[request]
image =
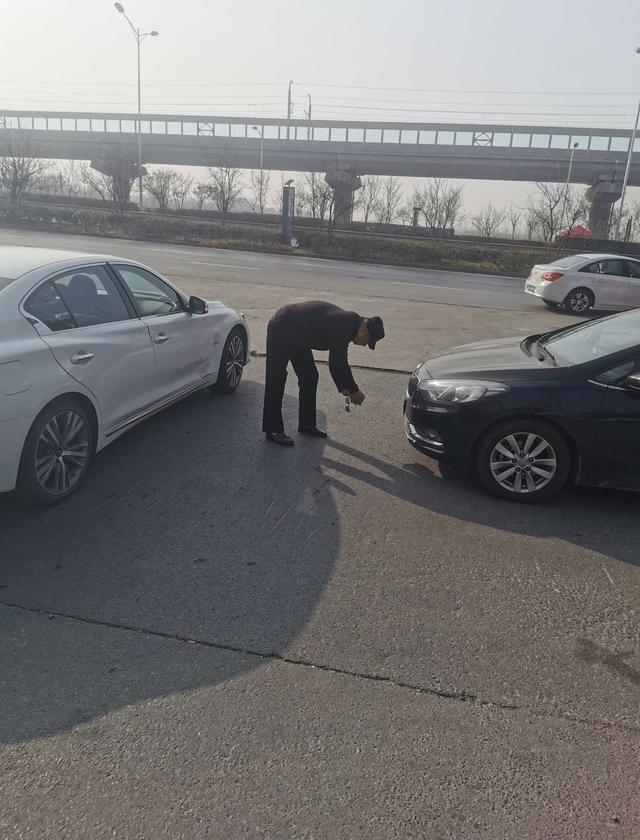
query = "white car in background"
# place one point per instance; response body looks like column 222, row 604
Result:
column 89, row 347
column 587, row 281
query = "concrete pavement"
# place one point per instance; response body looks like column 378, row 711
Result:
column 219, row 638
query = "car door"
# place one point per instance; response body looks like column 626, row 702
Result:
column 610, row 282
column 617, row 448
column 182, row 341
column 96, row 337
column 633, row 292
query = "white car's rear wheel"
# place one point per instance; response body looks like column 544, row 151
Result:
column 579, row 301
column 56, row 454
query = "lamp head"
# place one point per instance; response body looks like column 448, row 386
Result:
column 119, row 8
column 153, row 33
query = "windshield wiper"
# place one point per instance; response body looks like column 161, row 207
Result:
column 545, row 353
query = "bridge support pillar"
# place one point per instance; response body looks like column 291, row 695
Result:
column 344, row 183
column 602, row 195
column 122, row 172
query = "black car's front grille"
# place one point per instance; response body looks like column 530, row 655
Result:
column 413, row 384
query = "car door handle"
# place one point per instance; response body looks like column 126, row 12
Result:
column 161, row 338
column 80, row 357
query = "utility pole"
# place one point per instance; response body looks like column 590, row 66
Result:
column 289, row 108
column 308, row 114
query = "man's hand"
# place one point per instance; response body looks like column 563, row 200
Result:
column 357, row 398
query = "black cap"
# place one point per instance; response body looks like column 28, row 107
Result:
column 376, row 330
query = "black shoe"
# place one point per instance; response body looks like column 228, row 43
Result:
column 280, row 438
column 313, row 431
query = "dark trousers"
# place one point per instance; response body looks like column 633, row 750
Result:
column 278, row 357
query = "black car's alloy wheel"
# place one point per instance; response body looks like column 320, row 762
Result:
column 232, row 362
column 523, row 460
column 579, row 301
column 56, row 454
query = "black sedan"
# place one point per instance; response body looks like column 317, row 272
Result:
column 529, row 414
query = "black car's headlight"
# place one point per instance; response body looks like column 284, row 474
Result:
column 453, row 391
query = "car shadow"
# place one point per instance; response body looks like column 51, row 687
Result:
column 190, row 527
column 598, row 520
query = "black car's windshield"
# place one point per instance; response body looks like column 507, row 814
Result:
column 595, row 339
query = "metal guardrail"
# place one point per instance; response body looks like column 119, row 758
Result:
column 325, row 131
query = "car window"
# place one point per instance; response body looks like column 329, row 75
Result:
column 83, row 297
column 615, row 267
column 47, row 306
column 152, row 295
column 610, row 377
column 596, row 339
column 634, row 269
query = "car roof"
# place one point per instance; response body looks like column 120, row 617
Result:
column 607, row 256
column 16, row 260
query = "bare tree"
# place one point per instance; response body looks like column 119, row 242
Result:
column 180, row 189
column 441, row 204
column 544, row 208
column 20, row 170
column 314, row 197
column 488, row 220
column 405, row 214
column 531, row 223
column 226, row 187
column 160, row 184
column 389, row 201
column 201, row 192
column 260, row 184
column 635, row 219
column 112, row 181
column 514, row 214
column 368, row 197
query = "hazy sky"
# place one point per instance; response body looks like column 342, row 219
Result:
column 546, row 61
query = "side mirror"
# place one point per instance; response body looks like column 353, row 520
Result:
column 632, row 382
column 197, row 306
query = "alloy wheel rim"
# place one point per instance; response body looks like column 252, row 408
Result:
column 62, row 452
column 235, row 360
column 579, row 302
column 523, row 462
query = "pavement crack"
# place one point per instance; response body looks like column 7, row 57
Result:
column 462, row 696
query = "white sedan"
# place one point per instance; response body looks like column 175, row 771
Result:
column 587, row 281
column 89, row 347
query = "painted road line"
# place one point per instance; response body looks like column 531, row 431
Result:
column 226, row 265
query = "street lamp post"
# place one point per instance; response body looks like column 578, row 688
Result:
column 260, row 131
column 632, row 141
column 139, row 36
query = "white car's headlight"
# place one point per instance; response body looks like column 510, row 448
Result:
column 459, row 390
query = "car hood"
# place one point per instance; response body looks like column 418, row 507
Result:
column 501, row 356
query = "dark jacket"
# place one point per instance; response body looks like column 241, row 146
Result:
column 319, row 325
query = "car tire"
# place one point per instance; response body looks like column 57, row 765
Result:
column 579, row 301
column 56, row 454
column 232, row 362
column 534, row 471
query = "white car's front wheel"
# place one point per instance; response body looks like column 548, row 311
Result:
column 234, row 357
column 56, row 453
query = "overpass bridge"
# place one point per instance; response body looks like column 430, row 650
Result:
column 342, row 150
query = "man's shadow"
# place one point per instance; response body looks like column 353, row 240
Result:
column 190, row 527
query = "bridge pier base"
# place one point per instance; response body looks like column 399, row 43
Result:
column 344, row 184
column 122, row 172
column 602, row 195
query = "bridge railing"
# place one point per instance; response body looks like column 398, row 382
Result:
column 326, row 131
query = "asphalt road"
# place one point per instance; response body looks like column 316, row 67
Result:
column 219, row 638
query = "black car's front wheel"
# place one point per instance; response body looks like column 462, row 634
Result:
column 523, row 461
